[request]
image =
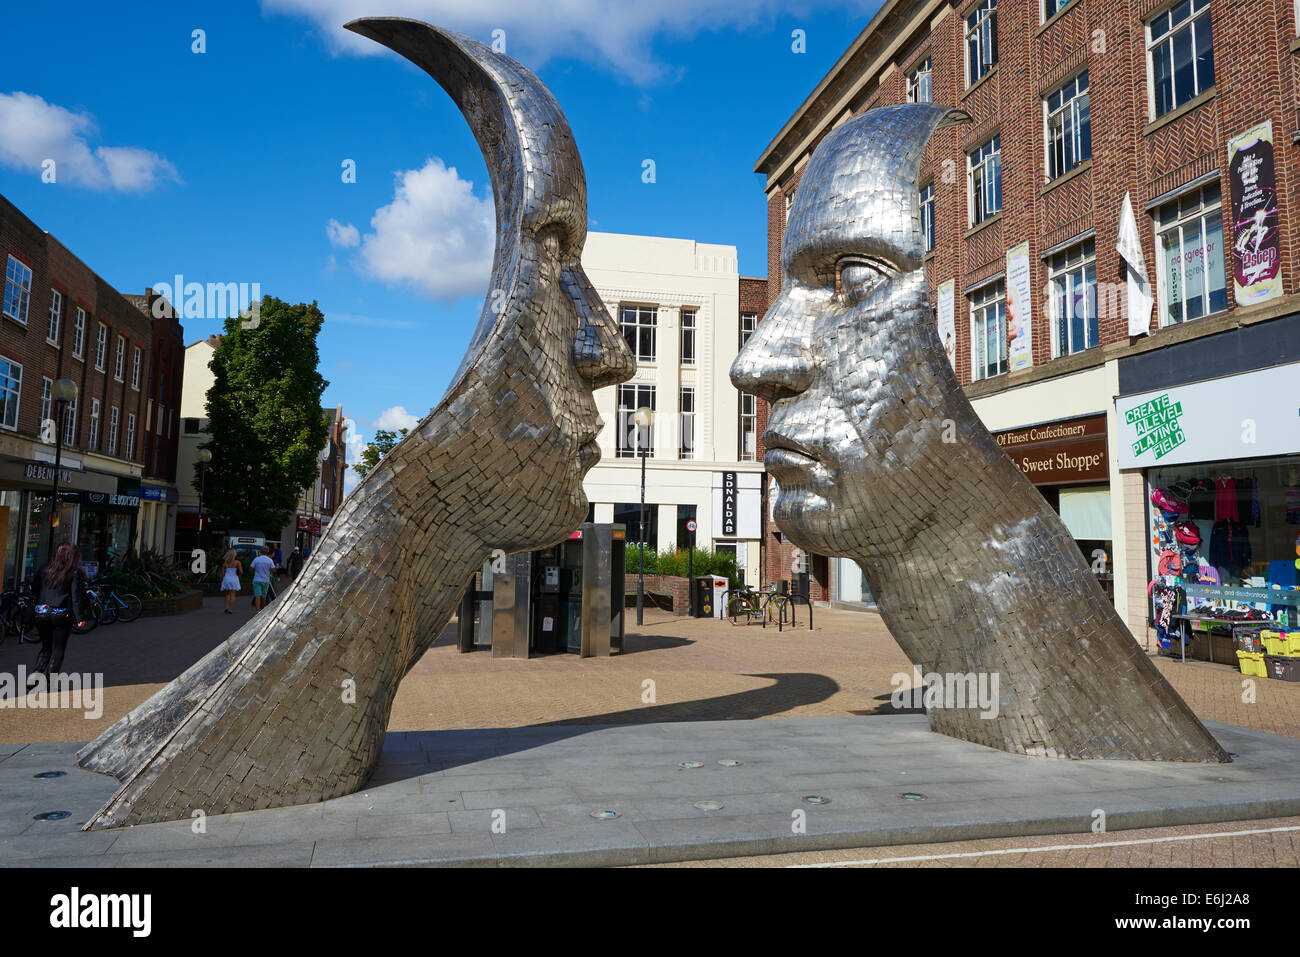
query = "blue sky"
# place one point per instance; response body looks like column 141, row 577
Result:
column 225, row 166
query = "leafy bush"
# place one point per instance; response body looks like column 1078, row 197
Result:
column 674, row 562
column 147, row 576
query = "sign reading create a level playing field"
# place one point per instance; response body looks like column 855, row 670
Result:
column 1234, row 417
column 1256, row 251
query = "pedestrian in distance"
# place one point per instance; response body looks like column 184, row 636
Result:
column 278, row 559
column 232, row 568
column 60, row 601
column 295, row 563
column 262, row 570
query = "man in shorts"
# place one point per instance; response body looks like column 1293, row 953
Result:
column 262, row 568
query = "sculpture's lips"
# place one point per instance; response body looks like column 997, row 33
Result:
column 782, row 460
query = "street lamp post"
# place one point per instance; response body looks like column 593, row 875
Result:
column 644, row 418
column 202, row 457
column 62, row 392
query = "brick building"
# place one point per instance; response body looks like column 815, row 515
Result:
column 61, row 320
column 1190, row 110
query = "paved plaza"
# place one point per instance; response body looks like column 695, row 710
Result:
column 675, row 671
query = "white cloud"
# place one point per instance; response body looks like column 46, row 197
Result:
column 396, row 418
column 615, row 34
column 33, row 131
column 351, row 320
column 435, row 235
column 346, row 237
column 356, row 442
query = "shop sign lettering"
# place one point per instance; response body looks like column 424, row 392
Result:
column 1157, row 426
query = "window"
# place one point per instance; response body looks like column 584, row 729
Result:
column 190, row 426
column 135, row 370
column 18, row 290
column 1190, row 266
column 789, row 200
column 748, row 427
column 1072, row 287
column 981, row 41
column 160, row 418
column 93, row 442
column 918, row 83
column 686, row 423
column 631, row 438
column 988, row 320
column 70, row 423
column 1069, row 128
column 113, row 420
column 638, row 323
column 1052, row 7
column 119, row 361
column 1180, row 56
column 130, row 435
column 79, row 334
column 56, row 317
column 47, row 402
column 688, row 337
column 11, row 386
column 984, row 180
column 748, row 323
column 927, row 215
column 101, row 347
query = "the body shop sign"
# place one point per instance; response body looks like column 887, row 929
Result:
column 1256, row 250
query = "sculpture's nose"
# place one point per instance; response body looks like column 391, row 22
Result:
column 599, row 350
column 777, row 361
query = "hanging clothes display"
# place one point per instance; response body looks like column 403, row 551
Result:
column 1225, row 500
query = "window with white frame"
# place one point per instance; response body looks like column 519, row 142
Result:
column 981, row 41
column 1180, row 56
column 113, row 420
column 1072, row 287
column 988, row 326
column 1052, row 7
column 70, row 423
column 927, row 215
column 119, row 361
column 984, row 180
column 686, row 423
column 1069, row 126
column 135, row 369
column 101, row 347
column 918, row 83
column 56, row 317
column 130, row 435
column 79, row 334
column 18, row 290
column 748, row 323
column 688, row 337
column 1190, row 267
column 748, row 427
column 639, row 324
column 47, row 403
column 93, row 438
column 11, row 387
column 631, row 438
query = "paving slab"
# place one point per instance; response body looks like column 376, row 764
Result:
column 526, row 797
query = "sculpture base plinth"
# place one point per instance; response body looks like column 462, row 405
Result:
column 436, row 796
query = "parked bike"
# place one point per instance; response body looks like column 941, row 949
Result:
column 18, row 613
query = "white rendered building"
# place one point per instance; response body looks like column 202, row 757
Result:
column 679, row 303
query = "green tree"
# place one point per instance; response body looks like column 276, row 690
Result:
column 376, row 449
column 264, row 416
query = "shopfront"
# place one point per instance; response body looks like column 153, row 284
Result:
column 107, row 528
column 1067, row 461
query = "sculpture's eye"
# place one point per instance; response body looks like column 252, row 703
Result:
column 858, row 275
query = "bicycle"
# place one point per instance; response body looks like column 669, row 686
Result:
column 17, row 607
column 94, row 617
column 114, row 607
column 784, row 607
column 742, row 601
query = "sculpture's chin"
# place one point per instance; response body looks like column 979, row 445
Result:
column 805, row 518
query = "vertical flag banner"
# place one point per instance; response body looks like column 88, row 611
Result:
column 947, row 320
column 1020, row 312
column 1256, row 252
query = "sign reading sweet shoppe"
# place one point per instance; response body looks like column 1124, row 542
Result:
column 1256, row 251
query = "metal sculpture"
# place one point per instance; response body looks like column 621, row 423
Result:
column 292, row 709
column 879, row 457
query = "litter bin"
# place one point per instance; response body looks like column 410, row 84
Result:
column 719, row 589
column 702, row 596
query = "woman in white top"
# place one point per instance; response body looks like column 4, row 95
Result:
column 232, row 569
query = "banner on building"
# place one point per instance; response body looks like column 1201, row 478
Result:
column 945, row 308
column 1256, row 253
column 1020, row 310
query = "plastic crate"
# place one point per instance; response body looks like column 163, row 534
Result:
column 1249, row 641
column 1252, row 663
column 1284, row 644
column 1285, row 669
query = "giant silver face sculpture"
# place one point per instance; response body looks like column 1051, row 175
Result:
column 292, row 709
column 880, row 458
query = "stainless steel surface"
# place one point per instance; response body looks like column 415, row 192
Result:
column 511, row 607
column 880, row 458
column 292, row 709
column 596, row 580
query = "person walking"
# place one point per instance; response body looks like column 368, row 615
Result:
column 262, row 569
column 295, row 563
column 277, row 559
column 60, row 600
column 232, row 568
